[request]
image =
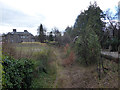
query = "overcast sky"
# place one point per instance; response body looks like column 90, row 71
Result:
column 28, row 14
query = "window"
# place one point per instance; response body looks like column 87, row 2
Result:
column 22, row 36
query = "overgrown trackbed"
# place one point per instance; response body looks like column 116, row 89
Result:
column 73, row 76
column 77, row 76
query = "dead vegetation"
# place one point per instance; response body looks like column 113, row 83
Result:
column 78, row 76
column 70, row 56
column 69, row 60
column 69, row 73
column 8, row 49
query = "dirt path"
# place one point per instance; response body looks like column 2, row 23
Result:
column 73, row 76
column 77, row 76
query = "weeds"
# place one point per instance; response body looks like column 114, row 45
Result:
column 8, row 49
column 109, row 74
column 70, row 56
column 42, row 56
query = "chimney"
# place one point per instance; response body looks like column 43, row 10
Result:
column 14, row 30
column 25, row 31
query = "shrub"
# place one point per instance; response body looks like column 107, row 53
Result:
column 44, row 66
column 87, row 47
column 69, row 60
column 43, row 60
column 67, row 50
column 45, row 69
column 69, row 55
column 106, row 44
column 17, row 73
column 115, row 43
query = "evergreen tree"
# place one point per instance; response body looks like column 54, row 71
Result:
column 88, row 47
column 89, row 29
column 41, row 33
column 57, row 34
column 68, row 31
column 51, row 36
column 94, row 15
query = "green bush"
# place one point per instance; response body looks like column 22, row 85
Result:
column 88, row 47
column 42, row 66
column 41, row 60
column 115, row 43
column 45, row 69
column 17, row 73
column 106, row 44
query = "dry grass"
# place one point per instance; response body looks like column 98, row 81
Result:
column 43, row 58
column 77, row 76
column 23, row 50
column 110, row 78
column 71, row 76
column 69, row 60
column 8, row 49
column 70, row 56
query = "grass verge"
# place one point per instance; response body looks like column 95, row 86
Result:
column 44, row 62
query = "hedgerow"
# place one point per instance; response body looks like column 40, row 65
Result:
column 17, row 73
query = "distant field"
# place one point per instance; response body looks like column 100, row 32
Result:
column 43, row 57
column 29, row 49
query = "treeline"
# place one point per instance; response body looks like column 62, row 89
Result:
column 53, row 37
column 88, row 32
column 92, row 20
column 102, row 23
column 92, row 31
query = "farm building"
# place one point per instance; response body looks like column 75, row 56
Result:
column 18, row 37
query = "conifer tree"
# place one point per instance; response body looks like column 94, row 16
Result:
column 41, row 33
column 89, row 29
column 51, row 36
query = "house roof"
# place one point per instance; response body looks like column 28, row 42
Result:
column 20, row 33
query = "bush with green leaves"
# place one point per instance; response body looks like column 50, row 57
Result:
column 17, row 73
column 115, row 43
column 88, row 47
column 88, row 27
column 45, row 69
